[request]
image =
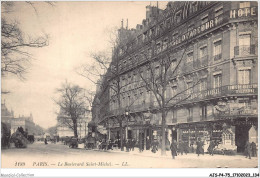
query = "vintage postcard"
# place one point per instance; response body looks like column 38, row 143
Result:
column 130, row 84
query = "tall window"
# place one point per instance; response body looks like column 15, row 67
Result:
column 189, row 114
column 217, row 81
column 174, row 116
column 217, row 51
column 178, row 16
column 190, row 57
column 174, row 90
column 203, row 85
column 204, row 112
column 173, row 64
column 203, row 52
column 244, row 40
column 189, row 88
column 165, row 43
column 157, row 71
column 244, row 76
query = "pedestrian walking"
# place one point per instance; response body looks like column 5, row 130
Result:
column 211, row 147
column 199, row 149
column 148, row 145
column 186, row 147
column 45, row 141
column 253, row 145
column 181, row 149
column 248, row 150
column 127, row 145
column 133, row 144
column 155, row 146
column 173, row 148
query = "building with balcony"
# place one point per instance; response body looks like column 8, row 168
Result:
column 211, row 42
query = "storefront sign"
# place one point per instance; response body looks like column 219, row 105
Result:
column 243, row 12
column 242, row 91
column 196, row 31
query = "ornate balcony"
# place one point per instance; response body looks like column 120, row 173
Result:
column 224, row 91
column 244, row 50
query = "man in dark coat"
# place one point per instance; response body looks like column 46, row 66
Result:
column 199, row 147
column 155, row 146
column 133, row 144
column 181, row 148
column 186, row 147
column 173, row 148
column 248, row 150
column 253, row 145
column 211, row 147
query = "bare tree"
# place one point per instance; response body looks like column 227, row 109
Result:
column 161, row 73
column 15, row 46
column 105, row 72
column 72, row 104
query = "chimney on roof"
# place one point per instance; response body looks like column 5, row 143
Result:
column 122, row 23
column 127, row 24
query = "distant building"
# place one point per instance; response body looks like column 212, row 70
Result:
column 64, row 128
column 6, row 115
column 25, row 122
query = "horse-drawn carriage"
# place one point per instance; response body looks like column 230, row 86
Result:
column 73, row 142
column 90, row 142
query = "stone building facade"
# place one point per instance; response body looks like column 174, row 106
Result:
column 214, row 43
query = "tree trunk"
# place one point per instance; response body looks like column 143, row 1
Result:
column 75, row 127
column 163, row 147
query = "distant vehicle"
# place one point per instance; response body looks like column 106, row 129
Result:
column 73, row 142
column 67, row 140
column 90, row 142
column 30, row 138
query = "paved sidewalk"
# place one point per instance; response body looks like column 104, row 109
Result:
column 189, row 156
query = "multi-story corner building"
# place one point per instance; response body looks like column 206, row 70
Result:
column 211, row 42
column 64, row 125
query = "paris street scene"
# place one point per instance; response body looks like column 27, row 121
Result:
column 130, row 84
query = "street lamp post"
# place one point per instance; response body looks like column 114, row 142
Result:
column 126, row 134
column 85, row 128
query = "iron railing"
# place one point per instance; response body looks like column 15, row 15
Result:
column 245, row 50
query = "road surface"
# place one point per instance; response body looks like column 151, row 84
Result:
column 39, row 155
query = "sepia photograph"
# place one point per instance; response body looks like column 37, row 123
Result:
column 129, row 84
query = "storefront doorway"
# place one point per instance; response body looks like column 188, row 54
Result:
column 174, row 135
column 241, row 137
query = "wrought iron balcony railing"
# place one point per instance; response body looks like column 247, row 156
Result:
column 245, row 50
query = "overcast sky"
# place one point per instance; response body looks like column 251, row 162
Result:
column 76, row 29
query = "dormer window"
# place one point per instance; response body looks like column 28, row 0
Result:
column 219, row 11
column 204, row 19
column 178, row 16
column 244, row 4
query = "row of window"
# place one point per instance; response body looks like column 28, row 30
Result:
column 137, row 97
column 243, row 41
